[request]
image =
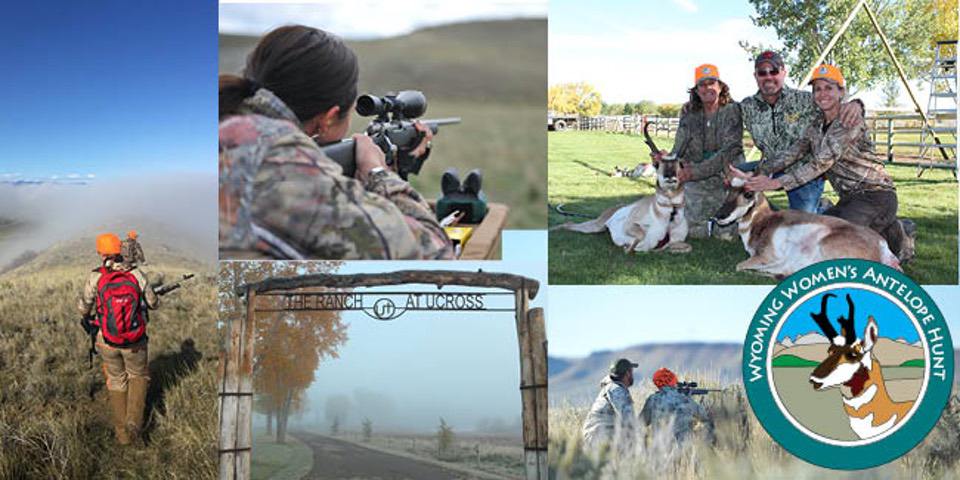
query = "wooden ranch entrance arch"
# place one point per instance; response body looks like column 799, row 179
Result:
column 292, row 294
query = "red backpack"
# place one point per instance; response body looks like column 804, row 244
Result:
column 120, row 314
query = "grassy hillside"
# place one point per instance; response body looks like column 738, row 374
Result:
column 492, row 75
column 53, row 411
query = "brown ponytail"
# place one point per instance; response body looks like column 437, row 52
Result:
column 310, row 70
column 233, row 90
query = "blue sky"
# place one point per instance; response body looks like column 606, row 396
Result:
column 892, row 322
column 108, row 88
column 634, row 50
column 584, row 319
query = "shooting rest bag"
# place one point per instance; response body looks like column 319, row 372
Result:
column 121, row 315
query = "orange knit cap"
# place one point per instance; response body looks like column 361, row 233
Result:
column 664, row 378
column 132, row 234
column 827, row 72
column 108, row 244
column 704, row 72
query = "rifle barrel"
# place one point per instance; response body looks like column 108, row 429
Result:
column 443, row 121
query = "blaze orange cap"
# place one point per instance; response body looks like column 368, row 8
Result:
column 132, row 234
column 664, row 378
column 108, row 244
column 704, row 72
column 827, row 72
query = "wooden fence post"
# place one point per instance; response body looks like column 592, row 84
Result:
column 236, row 396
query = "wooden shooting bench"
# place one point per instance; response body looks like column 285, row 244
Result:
column 485, row 242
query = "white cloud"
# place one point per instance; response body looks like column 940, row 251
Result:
column 656, row 63
column 369, row 19
column 687, row 5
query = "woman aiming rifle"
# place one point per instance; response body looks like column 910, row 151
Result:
column 280, row 196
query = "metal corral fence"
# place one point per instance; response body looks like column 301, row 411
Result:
column 901, row 139
column 630, row 124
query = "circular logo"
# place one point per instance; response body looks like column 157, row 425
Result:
column 848, row 364
column 384, row 309
column 823, row 70
column 706, row 70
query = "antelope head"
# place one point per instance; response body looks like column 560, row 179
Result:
column 667, row 172
column 848, row 361
column 737, row 204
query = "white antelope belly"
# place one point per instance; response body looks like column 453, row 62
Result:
column 617, row 225
column 798, row 246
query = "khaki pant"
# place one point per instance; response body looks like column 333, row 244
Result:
column 121, row 364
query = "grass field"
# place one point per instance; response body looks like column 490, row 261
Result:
column 53, row 413
column 743, row 449
column 496, row 454
column 580, row 164
column 271, row 460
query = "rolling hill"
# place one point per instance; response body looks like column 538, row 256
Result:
column 575, row 379
column 53, row 413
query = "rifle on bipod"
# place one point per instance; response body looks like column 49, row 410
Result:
column 392, row 130
column 691, row 388
column 169, row 287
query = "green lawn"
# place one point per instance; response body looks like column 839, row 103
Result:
column 271, row 460
column 580, row 162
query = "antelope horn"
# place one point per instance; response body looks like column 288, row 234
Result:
column 821, row 318
column 649, row 140
column 846, row 324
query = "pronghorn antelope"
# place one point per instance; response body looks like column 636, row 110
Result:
column 851, row 366
column 782, row 242
column 651, row 223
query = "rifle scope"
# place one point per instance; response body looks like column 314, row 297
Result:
column 405, row 104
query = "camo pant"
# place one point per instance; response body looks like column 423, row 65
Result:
column 876, row 210
column 702, row 199
column 120, row 364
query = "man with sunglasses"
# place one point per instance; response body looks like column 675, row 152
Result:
column 776, row 117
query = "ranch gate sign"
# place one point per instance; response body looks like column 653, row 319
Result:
column 323, row 292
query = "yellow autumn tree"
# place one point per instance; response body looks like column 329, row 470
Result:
column 578, row 97
column 289, row 347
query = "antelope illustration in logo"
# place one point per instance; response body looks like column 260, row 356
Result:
column 851, row 366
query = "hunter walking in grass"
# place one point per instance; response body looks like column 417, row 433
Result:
column 131, row 250
column 114, row 304
column 612, row 411
column 846, row 156
column 777, row 116
column 709, row 138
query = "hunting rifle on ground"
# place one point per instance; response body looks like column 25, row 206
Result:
column 91, row 328
column 692, row 388
column 392, row 130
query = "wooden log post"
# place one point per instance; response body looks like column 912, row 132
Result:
column 236, row 395
column 533, row 386
column 538, row 354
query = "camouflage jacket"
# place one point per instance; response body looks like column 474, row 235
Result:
column 612, row 410
column 88, row 296
column 131, row 252
column 845, row 155
column 280, row 196
column 696, row 136
column 669, row 407
column 775, row 128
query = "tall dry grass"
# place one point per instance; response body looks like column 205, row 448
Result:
column 53, row 413
column 743, row 450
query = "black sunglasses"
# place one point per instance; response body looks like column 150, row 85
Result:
column 768, row 73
